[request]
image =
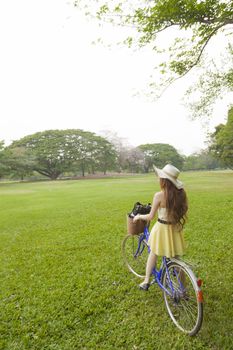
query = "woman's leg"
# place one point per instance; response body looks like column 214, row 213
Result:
column 181, row 273
column 150, row 265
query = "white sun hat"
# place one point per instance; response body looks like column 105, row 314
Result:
column 171, row 173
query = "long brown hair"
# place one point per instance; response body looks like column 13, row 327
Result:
column 176, row 202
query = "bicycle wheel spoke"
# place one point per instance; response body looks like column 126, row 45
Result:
column 189, row 309
column 186, row 317
column 189, row 312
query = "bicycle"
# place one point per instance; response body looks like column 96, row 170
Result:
column 181, row 289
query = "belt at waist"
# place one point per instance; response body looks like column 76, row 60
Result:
column 164, row 222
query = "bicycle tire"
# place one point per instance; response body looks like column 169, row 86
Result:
column 185, row 307
column 135, row 256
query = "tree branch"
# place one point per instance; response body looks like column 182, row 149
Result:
column 205, row 44
column 196, row 61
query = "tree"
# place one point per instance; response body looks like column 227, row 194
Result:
column 135, row 160
column 203, row 160
column 192, row 24
column 49, row 150
column 56, row 151
column 122, row 148
column 222, row 141
column 160, row 154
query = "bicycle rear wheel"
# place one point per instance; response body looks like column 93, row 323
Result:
column 183, row 298
column 135, row 254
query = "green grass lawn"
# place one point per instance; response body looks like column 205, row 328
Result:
column 63, row 282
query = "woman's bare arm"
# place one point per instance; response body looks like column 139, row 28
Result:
column 155, row 205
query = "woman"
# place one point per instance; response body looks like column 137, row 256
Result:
column 166, row 238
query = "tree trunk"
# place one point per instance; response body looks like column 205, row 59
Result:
column 83, row 170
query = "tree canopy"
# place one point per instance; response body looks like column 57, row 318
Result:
column 222, row 141
column 192, row 24
column 57, row 151
column 160, row 154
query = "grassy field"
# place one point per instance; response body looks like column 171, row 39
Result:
column 63, row 282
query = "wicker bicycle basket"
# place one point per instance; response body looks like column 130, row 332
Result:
column 134, row 228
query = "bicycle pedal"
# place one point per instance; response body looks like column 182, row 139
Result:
column 153, row 282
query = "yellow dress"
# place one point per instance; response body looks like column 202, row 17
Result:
column 166, row 240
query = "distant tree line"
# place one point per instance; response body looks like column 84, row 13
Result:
column 75, row 152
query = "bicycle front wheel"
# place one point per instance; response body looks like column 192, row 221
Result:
column 183, row 297
column 135, row 253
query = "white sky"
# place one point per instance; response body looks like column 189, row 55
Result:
column 52, row 77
